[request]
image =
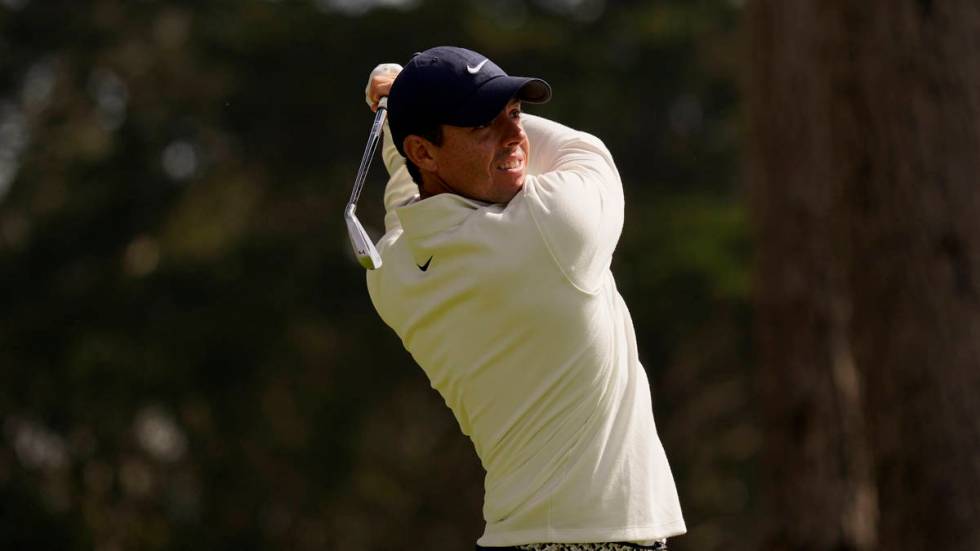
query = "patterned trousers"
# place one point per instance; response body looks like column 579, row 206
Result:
column 658, row 546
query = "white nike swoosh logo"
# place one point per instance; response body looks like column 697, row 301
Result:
column 475, row 70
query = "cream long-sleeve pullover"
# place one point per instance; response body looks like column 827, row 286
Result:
column 517, row 322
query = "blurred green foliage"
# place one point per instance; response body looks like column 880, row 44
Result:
column 189, row 357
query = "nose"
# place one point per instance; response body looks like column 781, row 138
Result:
column 513, row 131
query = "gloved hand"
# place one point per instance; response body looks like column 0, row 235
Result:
column 379, row 83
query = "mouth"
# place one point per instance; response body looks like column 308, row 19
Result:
column 511, row 165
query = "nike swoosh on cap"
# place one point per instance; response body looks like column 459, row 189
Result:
column 425, row 266
column 475, row 70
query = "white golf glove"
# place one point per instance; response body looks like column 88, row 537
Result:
column 385, row 68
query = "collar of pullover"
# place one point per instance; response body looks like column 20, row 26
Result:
column 437, row 214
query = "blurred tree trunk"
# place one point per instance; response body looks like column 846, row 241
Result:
column 820, row 492
column 912, row 173
column 866, row 148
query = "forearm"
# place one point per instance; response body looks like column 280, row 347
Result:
column 545, row 137
column 576, row 198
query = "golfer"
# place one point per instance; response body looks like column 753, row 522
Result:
column 500, row 229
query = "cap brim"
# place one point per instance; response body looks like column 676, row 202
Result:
column 491, row 98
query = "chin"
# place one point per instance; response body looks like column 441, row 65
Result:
column 511, row 180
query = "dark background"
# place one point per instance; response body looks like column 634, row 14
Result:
column 188, row 355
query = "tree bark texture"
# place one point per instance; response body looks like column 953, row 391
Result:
column 869, row 112
column 820, row 493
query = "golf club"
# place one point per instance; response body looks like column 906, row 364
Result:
column 364, row 249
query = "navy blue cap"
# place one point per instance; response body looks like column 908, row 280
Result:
column 454, row 86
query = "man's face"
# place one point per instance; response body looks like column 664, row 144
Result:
column 486, row 162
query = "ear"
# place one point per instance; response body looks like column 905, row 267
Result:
column 421, row 151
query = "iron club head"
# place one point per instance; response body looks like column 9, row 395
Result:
column 364, row 249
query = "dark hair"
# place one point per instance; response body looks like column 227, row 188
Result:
column 434, row 135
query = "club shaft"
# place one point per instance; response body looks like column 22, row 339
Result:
column 372, row 145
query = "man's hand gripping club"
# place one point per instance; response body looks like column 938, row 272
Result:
column 376, row 95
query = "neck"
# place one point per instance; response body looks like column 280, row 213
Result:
column 433, row 185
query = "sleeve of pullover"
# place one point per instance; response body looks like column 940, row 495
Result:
column 575, row 197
